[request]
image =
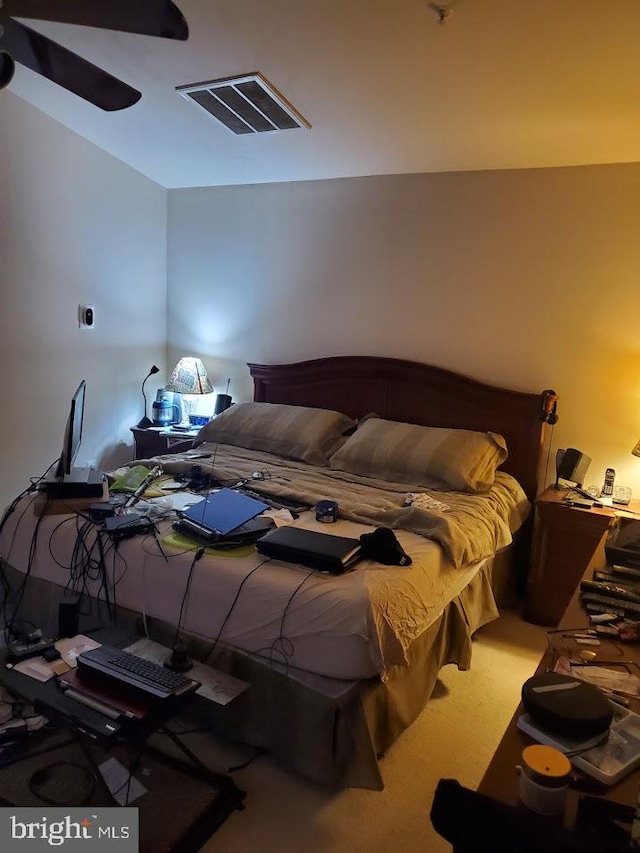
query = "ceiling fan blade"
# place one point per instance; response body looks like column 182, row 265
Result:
column 65, row 68
column 160, row 18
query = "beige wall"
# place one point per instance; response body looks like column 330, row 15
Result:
column 528, row 279
column 76, row 226
column 522, row 278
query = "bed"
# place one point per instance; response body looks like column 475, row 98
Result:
column 338, row 665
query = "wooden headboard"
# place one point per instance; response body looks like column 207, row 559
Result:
column 414, row 393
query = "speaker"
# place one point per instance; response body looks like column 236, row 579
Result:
column 223, row 401
column 571, row 465
column 68, row 618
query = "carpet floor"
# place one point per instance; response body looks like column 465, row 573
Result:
column 454, row 737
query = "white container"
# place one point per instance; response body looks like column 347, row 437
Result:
column 544, row 780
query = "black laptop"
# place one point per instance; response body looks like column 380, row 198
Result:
column 322, row 551
column 221, row 515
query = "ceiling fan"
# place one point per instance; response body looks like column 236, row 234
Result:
column 19, row 43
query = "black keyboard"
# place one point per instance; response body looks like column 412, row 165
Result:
column 149, row 671
column 151, row 678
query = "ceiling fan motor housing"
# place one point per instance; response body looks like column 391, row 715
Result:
column 7, row 68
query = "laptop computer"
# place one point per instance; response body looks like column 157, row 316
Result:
column 247, row 534
column 322, row 551
column 220, row 513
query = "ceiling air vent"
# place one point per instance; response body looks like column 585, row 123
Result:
column 246, row 104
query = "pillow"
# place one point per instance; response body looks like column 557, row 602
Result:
column 431, row 457
column 294, row 432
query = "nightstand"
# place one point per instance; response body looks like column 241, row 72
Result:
column 567, row 540
column 158, row 441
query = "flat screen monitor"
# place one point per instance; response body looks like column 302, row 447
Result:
column 72, row 433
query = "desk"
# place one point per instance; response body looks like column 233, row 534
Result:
column 206, row 799
column 567, row 541
column 158, row 441
column 501, row 781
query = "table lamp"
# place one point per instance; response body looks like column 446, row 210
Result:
column 189, row 376
column 145, row 422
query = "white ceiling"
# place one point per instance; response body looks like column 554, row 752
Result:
column 387, row 88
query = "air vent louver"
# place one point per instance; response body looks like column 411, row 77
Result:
column 247, row 104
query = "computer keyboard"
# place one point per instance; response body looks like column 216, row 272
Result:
column 149, row 671
column 147, row 676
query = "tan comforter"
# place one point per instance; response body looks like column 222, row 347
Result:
column 470, row 528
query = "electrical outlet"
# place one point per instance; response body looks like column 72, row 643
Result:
column 86, row 316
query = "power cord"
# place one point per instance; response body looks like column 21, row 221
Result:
column 41, row 777
column 230, row 611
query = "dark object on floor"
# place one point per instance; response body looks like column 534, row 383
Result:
column 475, row 823
column 603, row 818
column 383, row 547
column 76, row 780
column 55, row 767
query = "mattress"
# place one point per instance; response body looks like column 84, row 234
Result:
column 351, row 626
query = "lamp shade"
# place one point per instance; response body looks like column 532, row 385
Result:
column 636, row 449
column 189, row 377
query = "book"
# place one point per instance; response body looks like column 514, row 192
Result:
column 632, row 583
column 612, row 590
column 628, row 571
column 322, row 551
column 612, row 604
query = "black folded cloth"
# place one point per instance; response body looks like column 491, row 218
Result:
column 474, row 823
column 383, row 547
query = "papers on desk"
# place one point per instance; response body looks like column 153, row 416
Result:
column 69, row 648
column 279, row 516
column 175, row 500
column 39, row 668
column 609, row 680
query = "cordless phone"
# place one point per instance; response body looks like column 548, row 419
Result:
column 609, row 477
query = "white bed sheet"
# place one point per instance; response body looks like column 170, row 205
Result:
column 324, row 624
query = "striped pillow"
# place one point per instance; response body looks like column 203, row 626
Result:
column 293, row 432
column 431, row 457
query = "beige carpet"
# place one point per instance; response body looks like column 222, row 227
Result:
column 454, row 737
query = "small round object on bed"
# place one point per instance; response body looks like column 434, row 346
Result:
column 327, row 511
